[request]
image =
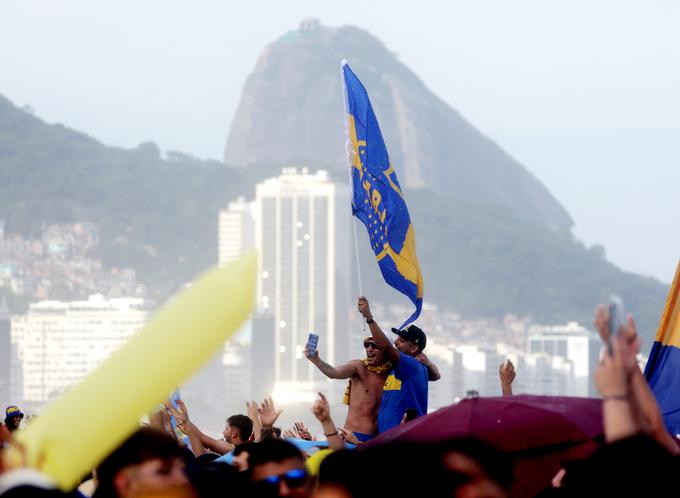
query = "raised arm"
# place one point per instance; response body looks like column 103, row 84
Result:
column 268, row 416
column 254, row 416
column 432, row 370
column 378, row 335
column 643, row 401
column 340, row 372
column 611, row 382
column 507, row 374
column 322, row 412
column 181, row 415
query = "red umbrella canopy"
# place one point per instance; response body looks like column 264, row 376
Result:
column 510, row 423
column 538, row 432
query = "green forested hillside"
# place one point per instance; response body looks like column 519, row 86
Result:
column 159, row 216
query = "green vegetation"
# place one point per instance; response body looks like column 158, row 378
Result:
column 160, row 217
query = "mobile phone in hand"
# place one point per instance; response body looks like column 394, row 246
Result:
column 312, row 343
column 616, row 319
column 617, row 315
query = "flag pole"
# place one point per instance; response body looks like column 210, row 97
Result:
column 349, row 157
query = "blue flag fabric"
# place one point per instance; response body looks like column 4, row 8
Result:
column 663, row 366
column 377, row 199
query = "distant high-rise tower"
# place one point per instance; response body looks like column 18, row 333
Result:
column 302, row 233
column 236, row 231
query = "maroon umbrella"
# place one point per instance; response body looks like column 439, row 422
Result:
column 538, row 432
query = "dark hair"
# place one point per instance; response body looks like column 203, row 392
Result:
column 277, row 431
column 216, row 480
column 206, row 458
column 423, row 461
column 145, row 444
column 345, row 468
column 247, row 447
column 272, row 450
column 243, row 424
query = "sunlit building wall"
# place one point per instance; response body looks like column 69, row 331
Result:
column 236, row 230
column 302, row 232
column 59, row 343
column 569, row 347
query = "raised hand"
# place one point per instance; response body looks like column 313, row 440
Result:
column 507, row 372
column 348, row 436
column 321, row 409
column 364, row 308
column 610, row 376
column 170, row 410
column 303, row 432
column 311, row 357
column 268, row 412
column 602, row 322
column 290, row 434
column 251, row 410
column 629, row 342
column 182, row 409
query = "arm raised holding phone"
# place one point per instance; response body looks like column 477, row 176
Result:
column 344, row 371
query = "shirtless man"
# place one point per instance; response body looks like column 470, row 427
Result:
column 367, row 378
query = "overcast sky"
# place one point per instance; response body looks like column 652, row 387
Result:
column 586, row 94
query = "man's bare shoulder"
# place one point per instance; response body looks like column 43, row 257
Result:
column 358, row 364
column 365, row 373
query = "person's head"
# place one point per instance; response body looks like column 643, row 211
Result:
column 277, row 468
column 411, row 340
column 149, row 461
column 241, row 455
column 238, row 429
column 212, row 480
column 450, row 468
column 374, row 354
column 13, row 417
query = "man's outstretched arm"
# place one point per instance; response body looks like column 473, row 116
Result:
column 199, row 441
column 378, row 335
column 340, row 372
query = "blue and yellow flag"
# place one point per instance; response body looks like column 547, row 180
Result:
column 377, row 198
column 663, row 366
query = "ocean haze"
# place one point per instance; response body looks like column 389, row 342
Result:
column 585, row 95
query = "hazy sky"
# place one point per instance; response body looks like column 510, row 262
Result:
column 586, row 94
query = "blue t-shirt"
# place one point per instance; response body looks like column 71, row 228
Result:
column 405, row 387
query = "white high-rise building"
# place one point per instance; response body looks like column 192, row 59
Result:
column 59, row 343
column 236, row 230
column 575, row 346
column 302, row 233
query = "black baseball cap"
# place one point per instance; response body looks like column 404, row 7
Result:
column 413, row 334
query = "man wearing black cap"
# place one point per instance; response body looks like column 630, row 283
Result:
column 406, row 385
column 13, row 417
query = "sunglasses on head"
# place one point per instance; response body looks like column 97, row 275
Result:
column 293, row 479
column 370, row 344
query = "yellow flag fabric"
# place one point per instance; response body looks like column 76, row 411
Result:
column 87, row 422
column 663, row 366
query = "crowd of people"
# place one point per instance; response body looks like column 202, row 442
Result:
column 170, row 456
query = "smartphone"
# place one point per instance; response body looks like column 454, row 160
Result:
column 617, row 315
column 312, row 343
